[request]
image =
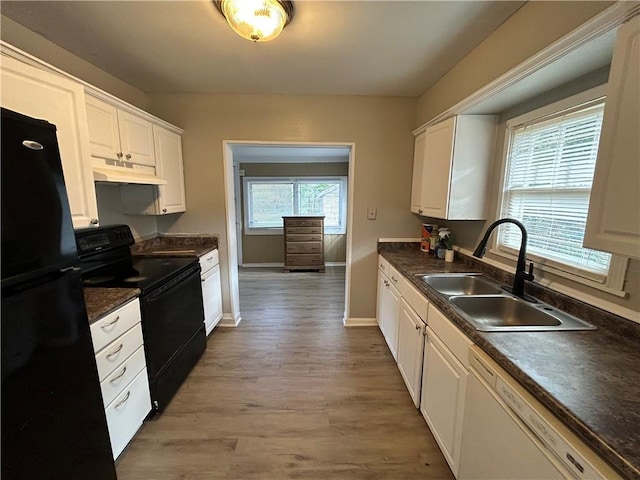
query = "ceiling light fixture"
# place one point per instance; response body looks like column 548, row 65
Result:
column 256, row 20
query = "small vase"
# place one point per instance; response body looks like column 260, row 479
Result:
column 448, row 255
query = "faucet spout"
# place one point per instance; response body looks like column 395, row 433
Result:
column 521, row 273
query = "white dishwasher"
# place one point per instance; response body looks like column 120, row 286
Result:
column 509, row 435
column 211, row 290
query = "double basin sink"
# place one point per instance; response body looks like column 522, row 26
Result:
column 489, row 308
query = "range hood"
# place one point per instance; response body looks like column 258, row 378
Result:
column 126, row 175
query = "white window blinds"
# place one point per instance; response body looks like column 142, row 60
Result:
column 547, row 186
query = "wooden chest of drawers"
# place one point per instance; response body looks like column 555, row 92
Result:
column 303, row 243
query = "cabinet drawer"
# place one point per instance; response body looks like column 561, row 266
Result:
column 303, row 260
column 114, row 324
column 303, row 222
column 127, row 411
column 416, row 300
column 383, row 265
column 315, row 237
column 208, row 261
column 122, row 376
column 304, row 247
column 112, row 356
column 309, row 230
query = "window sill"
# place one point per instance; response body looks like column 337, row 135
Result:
column 560, row 273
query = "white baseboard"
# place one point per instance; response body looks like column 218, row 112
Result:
column 360, row 322
column 262, row 265
column 229, row 321
column 335, row 264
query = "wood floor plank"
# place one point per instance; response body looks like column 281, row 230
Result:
column 289, row 394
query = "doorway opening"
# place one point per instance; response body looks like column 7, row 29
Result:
column 267, row 180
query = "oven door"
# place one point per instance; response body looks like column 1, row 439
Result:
column 171, row 316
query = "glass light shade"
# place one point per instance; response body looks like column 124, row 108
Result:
column 255, row 20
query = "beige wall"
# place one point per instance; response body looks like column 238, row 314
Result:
column 532, row 28
column 110, row 212
column 270, row 248
column 380, row 127
column 38, row 46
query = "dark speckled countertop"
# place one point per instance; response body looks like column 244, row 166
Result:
column 100, row 301
column 589, row 379
column 182, row 245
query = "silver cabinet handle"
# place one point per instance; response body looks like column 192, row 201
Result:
column 386, row 283
column 114, row 379
column 119, row 154
column 116, row 351
column 123, row 401
column 112, row 322
column 210, row 258
column 93, row 221
column 164, row 210
column 394, row 279
column 128, row 156
column 418, row 327
column 419, row 210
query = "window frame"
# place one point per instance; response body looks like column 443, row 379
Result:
column 611, row 282
column 328, row 230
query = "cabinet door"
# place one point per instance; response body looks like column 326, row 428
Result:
column 212, row 298
column 389, row 313
column 33, row 92
column 613, row 223
column 136, row 139
column 444, row 383
column 168, row 150
column 410, row 349
column 103, row 129
column 418, row 183
column 438, row 157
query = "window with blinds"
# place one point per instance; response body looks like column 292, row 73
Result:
column 548, row 180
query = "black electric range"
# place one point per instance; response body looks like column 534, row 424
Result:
column 170, row 303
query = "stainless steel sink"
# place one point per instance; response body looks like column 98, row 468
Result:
column 450, row 284
column 490, row 313
column 485, row 305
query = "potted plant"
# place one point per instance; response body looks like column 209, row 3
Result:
column 446, row 243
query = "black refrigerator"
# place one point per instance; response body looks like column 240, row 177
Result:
column 53, row 422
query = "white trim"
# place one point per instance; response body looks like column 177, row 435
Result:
column 294, row 180
column 398, row 240
column 236, row 186
column 607, row 20
column 230, row 223
column 556, row 109
column 610, row 307
column 229, row 321
column 359, row 322
column 230, row 204
column 335, row 264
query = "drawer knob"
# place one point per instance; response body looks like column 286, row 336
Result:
column 115, row 379
column 116, row 351
column 112, row 322
column 123, row 401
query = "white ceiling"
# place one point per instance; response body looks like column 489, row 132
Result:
column 397, row 48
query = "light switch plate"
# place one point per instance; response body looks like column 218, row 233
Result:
column 372, row 213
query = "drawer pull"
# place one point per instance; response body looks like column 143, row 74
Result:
column 123, row 401
column 210, row 258
column 114, row 379
column 394, row 279
column 116, row 351
column 112, row 322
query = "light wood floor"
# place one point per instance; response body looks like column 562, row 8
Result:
column 289, row 394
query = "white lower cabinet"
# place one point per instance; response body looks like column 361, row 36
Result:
column 444, row 383
column 211, row 290
column 412, row 325
column 118, row 343
column 388, row 310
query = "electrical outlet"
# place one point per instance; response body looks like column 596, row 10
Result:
column 372, row 213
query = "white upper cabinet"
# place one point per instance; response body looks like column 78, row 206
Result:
column 613, row 223
column 118, row 138
column 44, row 95
column 161, row 199
column 451, row 168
